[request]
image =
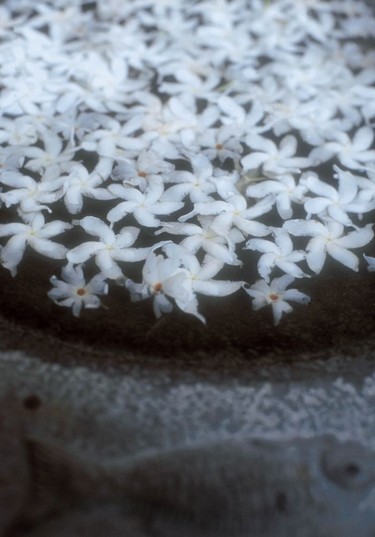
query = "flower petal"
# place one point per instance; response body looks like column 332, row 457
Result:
column 84, row 251
column 343, row 256
column 12, row 253
column 95, row 226
column 216, row 287
column 48, row 248
column 316, row 254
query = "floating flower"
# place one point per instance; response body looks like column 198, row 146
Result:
column 163, row 280
column 73, row 291
column 109, row 248
column 80, row 183
column 276, row 295
column 335, row 203
column 273, row 159
column 330, row 238
column 353, row 153
column 30, row 195
column 144, row 206
column 285, row 191
column 279, row 254
column 35, row 233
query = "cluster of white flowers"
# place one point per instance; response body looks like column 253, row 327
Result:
column 174, row 137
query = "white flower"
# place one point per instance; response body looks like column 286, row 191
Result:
column 145, row 169
column 188, row 82
column 274, row 160
column 221, row 143
column 330, row 239
column 35, row 233
column 276, row 295
column 81, row 183
column 234, row 213
column 110, row 248
column 19, row 131
column 352, row 153
column 235, row 117
column 198, row 184
column 142, row 205
column 52, row 154
column 335, row 203
column 11, row 158
column 115, row 140
column 204, row 237
column 277, row 254
column 285, row 191
column 176, row 126
column 201, row 277
column 31, row 195
column 163, row 279
column 74, row 292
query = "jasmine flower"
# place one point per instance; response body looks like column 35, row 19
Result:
column 222, row 143
column 73, row 292
column 353, row 153
column 109, row 248
column 142, row 205
column 30, row 195
column 285, row 191
column 53, row 153
column 80, row 183
column 198, row 184
column 163, row 280
column 277, row 254
column 276, row 295
column 19, row 132
column 330, row 238
column 203, row 237
column 143, row 170
column 201, row 276
column 332, row 202
column 274, row 160
column 235, row 116
column 114, row 139
column 188, row 82
column 234, row 212
column 36, row 233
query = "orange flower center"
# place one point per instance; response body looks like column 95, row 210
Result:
column 81, row 291
column 157, row 287
column 274, row 296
